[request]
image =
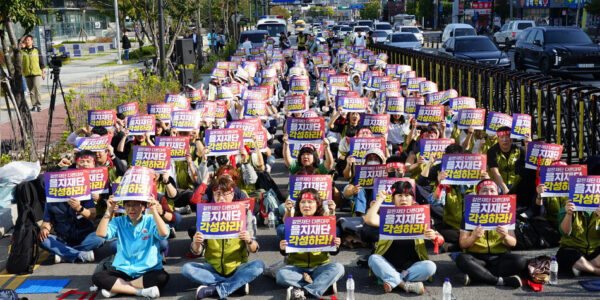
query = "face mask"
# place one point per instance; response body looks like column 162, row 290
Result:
column 395, row 175
column 372, row 162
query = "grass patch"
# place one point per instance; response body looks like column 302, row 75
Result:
column 114, row 63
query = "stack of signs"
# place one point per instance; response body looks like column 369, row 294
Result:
column 226, row 141
column 378, row 124
column 365, row 174
column 385, row 184
column 556, row 179
column 185, row 120
column 153, row 157
column 295, row 103
column 541, row 154
column 95, row 144
column 137, row 184
column 584, row 192
column 404, row 222
column 463, row 169
column 62, row 186
column 471, row 117
column 359, row 146
column 128, row 109
column 104, row 118
column 321, row 183
column 180, row 102
column 179, row 145
column 394, row 105
column 496, row 120
column 141, row 124
column 426, row 114
column 310, row 234
column 411, row 103
column 490, row 211
column 521, row 126
column 433, row 149
column 162, row 111
column 459, row 103
column 221, row 220
column 99, row 181
column 305, row 129
column 295, row 148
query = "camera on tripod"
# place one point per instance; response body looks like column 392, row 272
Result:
column 55, row 61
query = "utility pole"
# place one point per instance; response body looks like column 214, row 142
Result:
column 455, row 6
column 118, row 34
column 511, row 9
column 161, row 39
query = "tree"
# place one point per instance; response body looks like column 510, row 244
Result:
column 593, row 8
column 280, row 11
column 371, row 11
column 22, row 12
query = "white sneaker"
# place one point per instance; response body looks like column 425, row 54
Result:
column 93, row 288
column 151, row 292
column 575, row 272
column 57, row 259
column 87, row 256
column 246, row 290
column 107, row 294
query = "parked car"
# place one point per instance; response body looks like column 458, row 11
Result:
column 343, row 31
column 413, row 29
column 557, row 49
column 367, row 23
column 403, row 40
column 383, row 26
column 456, row 30
column 380, row 36
column 256, row 37
column 510, row 31
column 476, row 48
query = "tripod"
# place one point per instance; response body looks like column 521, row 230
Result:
column 55, row 85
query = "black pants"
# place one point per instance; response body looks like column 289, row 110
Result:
column 106, row 279
column 450, row 237
column 486, row 268
column 568, row 256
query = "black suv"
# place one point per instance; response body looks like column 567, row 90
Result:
column 557, row 49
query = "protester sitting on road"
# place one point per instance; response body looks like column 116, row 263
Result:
column 309, row 271
column 355, row 193
column 226, row 268
column 487, row 258
column 414, row 162
column 307, row 156
column 74, row 238
column 403, row 263
column 138, row 262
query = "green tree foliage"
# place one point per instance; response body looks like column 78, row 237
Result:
column 319, row 11
column 425, row 9
column 371, row 11
column 280, row 11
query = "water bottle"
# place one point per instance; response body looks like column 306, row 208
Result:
column 271, row 219
column 447, row 290
column 554, row 271
column 350, row 288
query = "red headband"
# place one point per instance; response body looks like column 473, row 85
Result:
column 486, row 183
column 308, row 196
column 398, row 165
column 85, row 157
column 309, row 146
column 503, row 133
column 225, row 171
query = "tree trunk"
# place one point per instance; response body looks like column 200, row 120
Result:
column 17, row 88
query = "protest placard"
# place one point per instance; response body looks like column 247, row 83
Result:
column 339, row 80
column 353, row 104
column 556, row 179
column 268, row 90
column 249, row 94
column 137, row 184
column 310, row 234
column 449, row 94
column 412, row 84
column 374, row 82
column 194, row 94
column 490, row 211
column 104, row 118
column 225, row 141
column 463, row 169
column 427, row 87
column 495, row 120
column 128, row 109
column 180, row 102
column 64, row 185
column 254, row 108
column 365, row 174
column 471, row 117
column 99, row 181
column 321, row 183
column 389, row 85
column 378, row 124
column 426, row 114
column 95, row 144
column 360, row 67
column 385, row 184
column 295, row 148
column 433, row 148
column 435, row 98
column 541, row 154
column 207, row 109
column 584, row 192
column 299, row 85
column 305, row 129
column 153, row 157
column 162, row 111
column 394, row 105
column 221, row 220
column 459, row 103
column 359, row 146
column 141, row 124
column 219, row 73
column 404, row 222
column 296, row 103
column 185, row 120
column 411, row 103
column 179, row 145
column 221, row 111
column 333, row 89
column 521, row 126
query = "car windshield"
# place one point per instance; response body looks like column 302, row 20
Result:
column 300, row 25
column 273, row 29
column 464, row 32
column 522, row 26
column 365, row 23
column 474, row 45
column 383, row 26
column 410, row 29
column 360, row 29
column 380, row 33
column 399, row 38
column 252, row 37
column 567, row 37
column 345, row 29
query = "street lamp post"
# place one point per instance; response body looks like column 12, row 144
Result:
column 118, row 34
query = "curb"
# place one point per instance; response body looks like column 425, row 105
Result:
column 8, row 217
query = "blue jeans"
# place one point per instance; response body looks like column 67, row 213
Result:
column 323, row 277
column 205, row 274
column 360, row 200
column 70, row 253
column 126, row 55
column 419, row 271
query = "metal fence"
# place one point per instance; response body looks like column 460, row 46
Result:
column 563, row 112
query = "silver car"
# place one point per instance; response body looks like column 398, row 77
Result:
column 403, row 40
column 380, row 36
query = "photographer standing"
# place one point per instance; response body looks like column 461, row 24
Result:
column 33, row 68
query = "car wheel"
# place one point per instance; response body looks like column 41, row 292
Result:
column 545, row 66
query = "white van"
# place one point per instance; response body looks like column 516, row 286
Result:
column 274, row 25
column 457, row 29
